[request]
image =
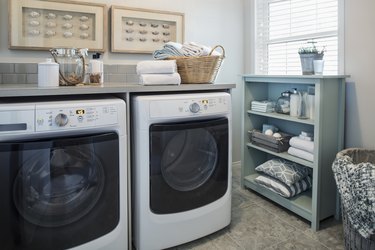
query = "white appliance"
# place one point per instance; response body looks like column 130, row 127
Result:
column 181, row 167
column 63, row 180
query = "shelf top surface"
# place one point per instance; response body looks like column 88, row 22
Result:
column 296, row 76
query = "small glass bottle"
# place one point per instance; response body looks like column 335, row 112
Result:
column 283, row 103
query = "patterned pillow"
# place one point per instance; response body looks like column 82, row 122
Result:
column 284, row 190
column 285, row 171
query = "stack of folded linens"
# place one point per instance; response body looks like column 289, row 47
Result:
column 158, row 72
column 302, row 146
column 284, row 177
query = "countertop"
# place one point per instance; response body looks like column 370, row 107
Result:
column 23, row 90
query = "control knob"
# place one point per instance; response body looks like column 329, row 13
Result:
column 61, row 120
column 194, row 107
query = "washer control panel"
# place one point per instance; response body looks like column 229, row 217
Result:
column 189, row 107
column 71, row 117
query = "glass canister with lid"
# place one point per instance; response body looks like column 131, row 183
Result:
column 283, row 103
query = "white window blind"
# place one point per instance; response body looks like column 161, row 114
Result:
column 283, row 26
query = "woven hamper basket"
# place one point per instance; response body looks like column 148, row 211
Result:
column 199, row 69
column 353, row 240
column 353, row 159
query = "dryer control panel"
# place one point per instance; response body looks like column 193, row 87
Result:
column 74, row 116
column 209, row 105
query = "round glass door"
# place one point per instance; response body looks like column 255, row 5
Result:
column 189, row 159
column 58, row 186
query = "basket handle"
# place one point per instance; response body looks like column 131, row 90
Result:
column 218, row 46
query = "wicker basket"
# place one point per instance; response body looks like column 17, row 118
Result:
column 353, row 240
column 199, row 69
column 353, row 158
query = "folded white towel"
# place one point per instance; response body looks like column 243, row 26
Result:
column 157, row 67
column 299, row 143
column 194, row 49
column 160, row 79
column 207, row 50
column 301, row 153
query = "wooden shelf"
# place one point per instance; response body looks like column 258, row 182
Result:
column 300, row 204
column 328, row 127
column 284, row 155
column 282, row 117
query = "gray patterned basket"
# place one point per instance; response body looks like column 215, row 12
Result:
column 353, row 240
column 354, row 171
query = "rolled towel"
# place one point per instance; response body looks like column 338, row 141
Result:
column 299, row 143
column 301, row 154
column 160, row 79
column 157, row 67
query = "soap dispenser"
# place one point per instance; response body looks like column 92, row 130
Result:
column 96, row 69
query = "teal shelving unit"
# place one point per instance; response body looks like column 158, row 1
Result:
column 328, row 125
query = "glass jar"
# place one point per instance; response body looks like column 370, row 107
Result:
column 283, row 103
column 71, row 65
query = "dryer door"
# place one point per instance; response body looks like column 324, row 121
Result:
column 58, row 193
column 189, row 164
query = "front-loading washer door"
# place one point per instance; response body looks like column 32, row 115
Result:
column 58, row 193
column 188, row 164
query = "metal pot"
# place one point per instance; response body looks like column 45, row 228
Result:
column 71, row 65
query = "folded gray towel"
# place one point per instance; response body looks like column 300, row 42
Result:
column 169, row 49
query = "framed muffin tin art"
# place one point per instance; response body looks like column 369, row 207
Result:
column 41, row 25
column 135, row 30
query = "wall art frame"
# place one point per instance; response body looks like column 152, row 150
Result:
column 136, row 30
column 41, row 25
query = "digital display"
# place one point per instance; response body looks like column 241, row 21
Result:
column 204, row 101
column 80, row 111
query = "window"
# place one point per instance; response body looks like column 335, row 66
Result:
column 283, row 26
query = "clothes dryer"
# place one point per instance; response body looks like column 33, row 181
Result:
column 63, row 176
column 181, row 167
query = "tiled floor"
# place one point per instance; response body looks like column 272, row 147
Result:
column 258, row 223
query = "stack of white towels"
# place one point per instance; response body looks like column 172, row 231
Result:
column 302, row 146
column 158, row 72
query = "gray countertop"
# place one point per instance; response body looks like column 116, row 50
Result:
column 20, row 90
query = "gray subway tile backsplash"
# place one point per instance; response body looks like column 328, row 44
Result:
column 132, row 78
column 117, row 78
column 110, row 69
column 29, row 68
column 14, row 78
column 31, row 78
column 127, row 69
column 6, row 68
column 20, row 73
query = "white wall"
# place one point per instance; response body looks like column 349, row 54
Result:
column 360, row 64
column 208, row 22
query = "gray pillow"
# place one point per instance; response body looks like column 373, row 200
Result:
column 285, row 171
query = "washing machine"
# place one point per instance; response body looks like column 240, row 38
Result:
column 63, row 179
column 181, row 167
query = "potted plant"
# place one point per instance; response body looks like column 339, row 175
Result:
column 307, row 56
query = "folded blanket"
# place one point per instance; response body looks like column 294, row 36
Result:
column 160, row 79
column 301, row 153
column 283, row 189
column 157, row 67
column 299, row 143
column 169, row 49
